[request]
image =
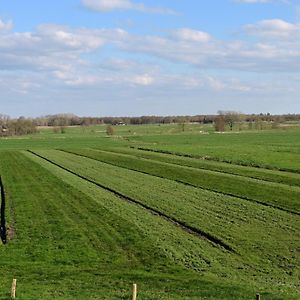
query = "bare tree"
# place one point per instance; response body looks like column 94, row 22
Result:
column 231, row 118
column 110, row 130
column 220, row 123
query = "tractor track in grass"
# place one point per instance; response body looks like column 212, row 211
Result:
column 189, row 229
column 3, row 233
column 189, row 184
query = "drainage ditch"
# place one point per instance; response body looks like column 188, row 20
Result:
column 3, row 233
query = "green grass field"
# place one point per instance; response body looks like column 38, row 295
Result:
column 185, row 215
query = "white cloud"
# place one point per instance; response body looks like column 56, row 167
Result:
column 80, row 39
column 117, row 64
column 61, row 54
column 111, row 5
column 187, row 34
column 72, row 78
column 272, row 54
column 274, row 28
column 61, row 62
column 52, row 47
column 6, row 25
column 144, row 79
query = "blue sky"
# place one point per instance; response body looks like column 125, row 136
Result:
column 144, row 57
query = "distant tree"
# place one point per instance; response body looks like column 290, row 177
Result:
column 276, row 122
column 220, row 123
column 135, row 121
column 147, row 120
column 19, row 126
column 167, row 120
column 110, row 130
column 181, row 121
column 231, row 117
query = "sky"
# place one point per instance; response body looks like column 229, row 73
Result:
column 149, row 57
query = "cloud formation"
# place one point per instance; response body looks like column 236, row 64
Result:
column 64, row 52
column 61, row 58
column 268, row 52
column 112, row 5
column 275, row 28
column 191, row 35
column 6, row 25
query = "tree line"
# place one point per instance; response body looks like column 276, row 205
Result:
column 19, row 126
column 230, row 116
column 228, row 120
column 224, row 120
column 71, row 120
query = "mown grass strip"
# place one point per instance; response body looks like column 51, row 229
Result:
column 285, row 199
column 77, row 241
column 192, row 230
column 2, row 214
column 288, row 178
column 265, row 238
column 218, row 159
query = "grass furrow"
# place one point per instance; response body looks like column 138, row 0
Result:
column 185, row 227
column 91, row 224
column 248, row 227
column 70, row 234
column 274, row 150
column 288, row 178
column 286, row 197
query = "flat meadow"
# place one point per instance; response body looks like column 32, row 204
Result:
column 183, row 212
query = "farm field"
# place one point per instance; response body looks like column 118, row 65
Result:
column 277, row 149
column 260, row 191
column 185, row 215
